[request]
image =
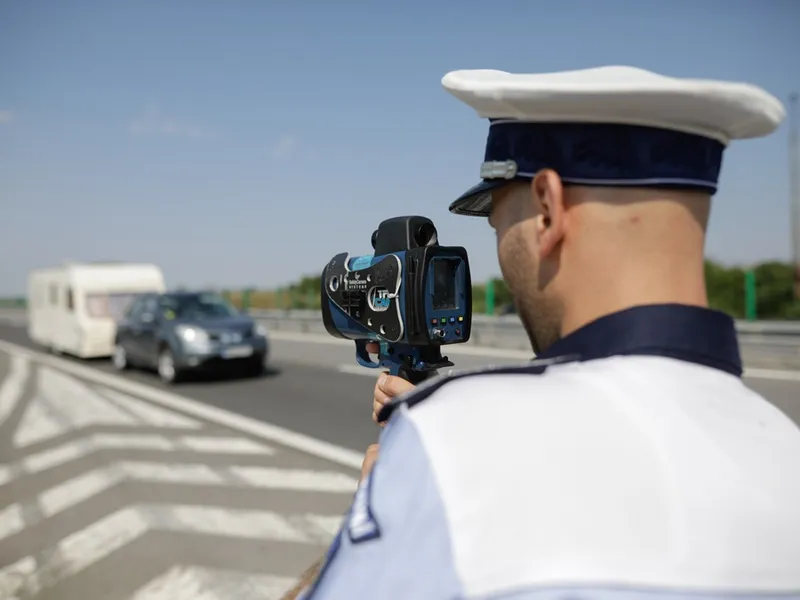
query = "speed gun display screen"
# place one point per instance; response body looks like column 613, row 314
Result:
column 444, row 283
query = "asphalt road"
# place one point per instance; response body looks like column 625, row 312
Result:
column 315, row 387
column 116, row 490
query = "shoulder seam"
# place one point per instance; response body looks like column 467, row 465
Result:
column 425, row 390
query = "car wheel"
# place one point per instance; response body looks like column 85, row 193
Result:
column 167, row 370
column 120, row 358
column 255, row 368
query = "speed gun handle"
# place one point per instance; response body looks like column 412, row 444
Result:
column 412, row 363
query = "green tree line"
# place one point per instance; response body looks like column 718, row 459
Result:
column 774, row 296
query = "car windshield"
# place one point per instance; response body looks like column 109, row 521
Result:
column 109, row 306
column 195, row 306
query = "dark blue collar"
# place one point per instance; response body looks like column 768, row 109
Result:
column 690, row 333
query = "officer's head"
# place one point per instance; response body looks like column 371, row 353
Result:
column 598, row 185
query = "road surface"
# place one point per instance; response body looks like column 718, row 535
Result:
column 116, row 486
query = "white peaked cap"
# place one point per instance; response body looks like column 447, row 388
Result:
column 555, row 117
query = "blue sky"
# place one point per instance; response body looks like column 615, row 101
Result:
column 239, row 143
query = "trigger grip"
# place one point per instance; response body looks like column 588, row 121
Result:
column 362, row 356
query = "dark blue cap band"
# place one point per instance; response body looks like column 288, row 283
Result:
column 598, row 154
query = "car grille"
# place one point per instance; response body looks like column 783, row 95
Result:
column 231, row 337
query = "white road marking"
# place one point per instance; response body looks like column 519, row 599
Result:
column 150, row 414
column 80, row 448
column 13, row 385
column 11, row 520
column 772, row 374
column 296, row 479
column 77, row 489
column 30, row 575
column 202, row 583
column 37, row 423
column 337, row 454
column 359, row 370
column 227, row 445
column 64, row 403
column 6, row 474
column 91, row 483
column 330, row 525
column 76, row 552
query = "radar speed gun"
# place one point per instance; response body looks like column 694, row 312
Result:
column 412, row 297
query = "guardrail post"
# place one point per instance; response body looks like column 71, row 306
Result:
column 750, row 298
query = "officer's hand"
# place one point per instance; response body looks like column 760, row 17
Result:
column 386, row 388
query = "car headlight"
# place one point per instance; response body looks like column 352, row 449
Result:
column 260, row 330
column 192, row 335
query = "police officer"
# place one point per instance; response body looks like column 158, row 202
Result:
column 628, row 460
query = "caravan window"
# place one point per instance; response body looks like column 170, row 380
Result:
column 109, row 306
column 70, row 300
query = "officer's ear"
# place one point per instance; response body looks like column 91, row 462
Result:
column 547, row 193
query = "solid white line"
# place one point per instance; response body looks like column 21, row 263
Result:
column 78, row 551
column 203, row 583
column 359, row 370
column 148, row 413
column 182, row 404
column 772, row 374
column 13, row 385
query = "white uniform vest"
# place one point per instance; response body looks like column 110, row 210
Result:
column 630, row 463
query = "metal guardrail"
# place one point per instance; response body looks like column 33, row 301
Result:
column 763, row 328
column 764, row 344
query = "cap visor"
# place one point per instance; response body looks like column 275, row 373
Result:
column 477, row 201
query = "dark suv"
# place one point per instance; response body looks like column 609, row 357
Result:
column 184, row 331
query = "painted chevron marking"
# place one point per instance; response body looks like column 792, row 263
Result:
column 80, row 448
column 13, row 385
column 64, row 403
column 149, row 413
column 6, row 474
column 78, row 551
column 11, row 521
column 183, row 405
column 202, row 583
column 91, row 483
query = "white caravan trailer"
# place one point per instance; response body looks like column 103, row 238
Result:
column 75, row 308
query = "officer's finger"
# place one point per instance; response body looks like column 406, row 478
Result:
column 393, row 386
column 373, row 347
column 377, row 403
column 386, row 388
